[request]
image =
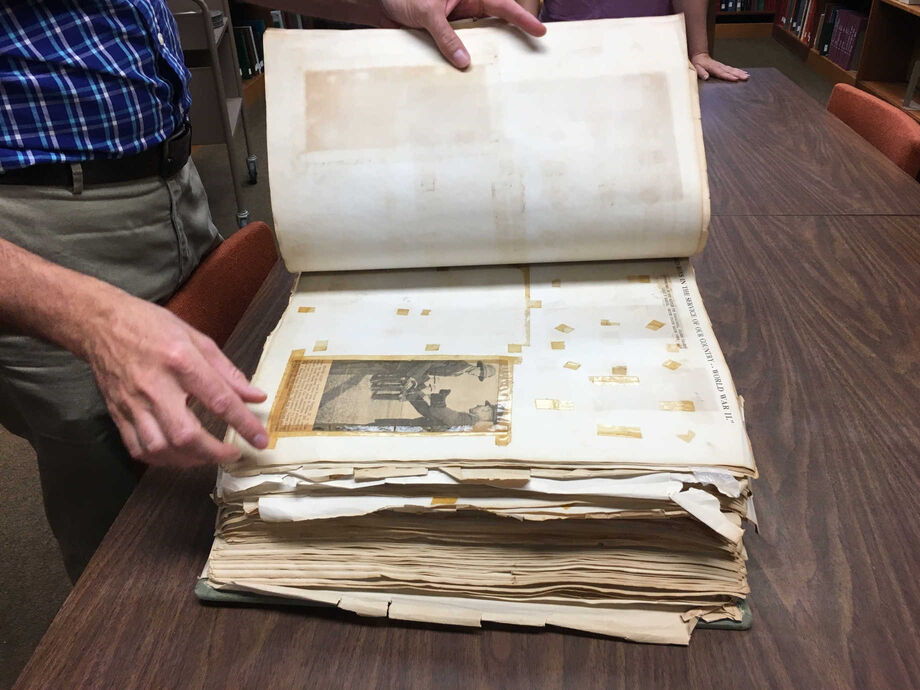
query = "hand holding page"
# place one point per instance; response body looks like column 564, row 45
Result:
column 514, row 439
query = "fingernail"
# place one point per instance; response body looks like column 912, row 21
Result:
column 260, row 441
column 461, row 58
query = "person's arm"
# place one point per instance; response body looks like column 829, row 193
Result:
column 431, row 15
column 698, row 43
column 146, row 361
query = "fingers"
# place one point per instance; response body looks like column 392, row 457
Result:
column 739, row 74
column 161, row 430
column 719, row 70
column 189, row 443
column 515, row 15
column 201, row 380
column 233, row 376
column 447, row 40
column 128, row 434
column 701, row 72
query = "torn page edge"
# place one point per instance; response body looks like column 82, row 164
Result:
column 638, row 625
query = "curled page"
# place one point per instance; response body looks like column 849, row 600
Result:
column 583, row 145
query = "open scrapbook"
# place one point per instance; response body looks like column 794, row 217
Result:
column 495, row 395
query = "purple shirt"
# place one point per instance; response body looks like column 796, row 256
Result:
column 569, row 10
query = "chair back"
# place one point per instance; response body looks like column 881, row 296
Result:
column 217, row 294
column 889, row 129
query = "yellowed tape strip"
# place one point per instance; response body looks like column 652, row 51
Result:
column 553, row 404
column 619, row 370
column 535, row 303
column 306, row 310
column 686, row 438
column 557, row 344
column 670, row 364
column 638, row 279
column 443, row 501
column 402, row 312
column 320, row 345
column 673, row 347
column 608, row 322
column 654, row 325
column 613, row 380
column 426, row 312
column 432, row 347
column 574, row 366
column 514, row 347
column 564, row 328
column 677, row 406
column 621, row 431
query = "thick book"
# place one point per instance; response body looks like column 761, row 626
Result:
column 495, row 395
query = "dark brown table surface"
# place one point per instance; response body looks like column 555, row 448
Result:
column 817, row 313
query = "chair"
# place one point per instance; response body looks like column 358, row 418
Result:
column 214, row 298
column 886, row 127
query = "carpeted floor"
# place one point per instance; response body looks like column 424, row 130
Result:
column 32, row 580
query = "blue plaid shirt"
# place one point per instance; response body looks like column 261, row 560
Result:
column 84, row 79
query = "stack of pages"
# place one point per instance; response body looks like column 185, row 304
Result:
column 547, row 432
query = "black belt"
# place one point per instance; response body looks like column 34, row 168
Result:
column 163, row 160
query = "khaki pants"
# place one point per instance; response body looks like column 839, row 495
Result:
column 144, row 236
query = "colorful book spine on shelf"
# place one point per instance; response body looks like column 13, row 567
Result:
column 809, row 26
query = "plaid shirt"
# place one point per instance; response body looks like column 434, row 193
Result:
column 84, row 79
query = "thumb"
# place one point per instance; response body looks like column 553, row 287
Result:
column 448, row 41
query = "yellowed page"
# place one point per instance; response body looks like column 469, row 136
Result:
column 360, row 361
column 583, row 145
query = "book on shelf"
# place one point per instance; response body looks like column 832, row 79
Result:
column 846, row 41
column 809, row 26
column 823, row 38
column 544, row 433
column 250, row 40
column 258, row 32
column 247, row 69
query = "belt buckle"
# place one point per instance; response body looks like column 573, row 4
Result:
column 176, row 151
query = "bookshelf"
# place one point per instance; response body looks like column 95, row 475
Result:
column 747, row 23
column 890, row 49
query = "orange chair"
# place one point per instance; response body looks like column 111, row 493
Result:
column 887, row 128
column 214, row 298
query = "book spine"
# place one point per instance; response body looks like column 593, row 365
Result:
column 858, row 46
column 857, row 28
column 833, row 53
column 809, row 18
column 818, row 29
column 242, row 54
column 827, row 30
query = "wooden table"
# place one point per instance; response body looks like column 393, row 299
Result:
column 812, row 281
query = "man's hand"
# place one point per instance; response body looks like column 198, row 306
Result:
column 707, row 67
column 148, row 363
column 433, row 15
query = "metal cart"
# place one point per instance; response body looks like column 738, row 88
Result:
column 216, row 87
